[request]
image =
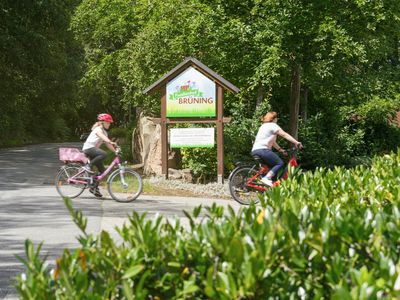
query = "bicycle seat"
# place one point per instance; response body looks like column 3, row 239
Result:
column 258, row 159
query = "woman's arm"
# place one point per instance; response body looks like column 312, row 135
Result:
column 288, row 137
column 110, row 144
column 277, row 147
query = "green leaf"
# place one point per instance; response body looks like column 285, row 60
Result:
column 209, row 288
column 127, row 289
column 133, row 271
column 174, row 264
column 189, row 287
column 197, row 210
column 341, row 293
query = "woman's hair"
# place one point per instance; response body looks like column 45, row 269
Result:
column 269, row 117
column 97, row 124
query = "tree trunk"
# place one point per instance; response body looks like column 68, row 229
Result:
column 305, row 104
column 294, row 101
column 260, row 94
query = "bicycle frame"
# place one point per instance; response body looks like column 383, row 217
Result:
column 264, row 169
column 250, row 182
column 116, row 161
column 100, row 177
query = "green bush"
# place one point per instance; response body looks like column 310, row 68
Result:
column 350, row 135
column 202, row 162
column 122, row 133
column 331, row 234
column 380, row 134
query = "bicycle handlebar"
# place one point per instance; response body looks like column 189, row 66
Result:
column 118, row 149
column 293, row 150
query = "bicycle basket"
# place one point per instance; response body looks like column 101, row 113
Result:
column 72, row 154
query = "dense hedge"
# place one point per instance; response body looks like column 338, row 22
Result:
column 332, row 234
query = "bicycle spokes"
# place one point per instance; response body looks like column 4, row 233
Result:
column 68, row 183
column 242, row 186
column 124, row 186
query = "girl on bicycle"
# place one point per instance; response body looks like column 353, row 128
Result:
column 91, row 147
column 265, row 140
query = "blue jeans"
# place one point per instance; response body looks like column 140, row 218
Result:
column 96, row 156
column 272, row 160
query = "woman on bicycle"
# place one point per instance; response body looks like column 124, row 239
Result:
column 91, row 147
column 265, row 140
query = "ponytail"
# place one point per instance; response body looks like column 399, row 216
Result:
column 269, row 117
column 97, row 124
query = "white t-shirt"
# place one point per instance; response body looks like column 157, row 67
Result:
column 266, row 136
column 93, row 139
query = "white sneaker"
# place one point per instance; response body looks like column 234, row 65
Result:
column 267, row 181
column 87, row 169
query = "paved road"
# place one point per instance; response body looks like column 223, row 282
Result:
column 30, row 208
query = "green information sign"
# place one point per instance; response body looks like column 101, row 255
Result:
column 192, row 137
column 191, row 94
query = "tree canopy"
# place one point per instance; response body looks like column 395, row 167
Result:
column 334, row 63
column 39, row 63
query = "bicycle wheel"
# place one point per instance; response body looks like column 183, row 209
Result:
column 238, row 187
column 65, row 188
column 125, row 188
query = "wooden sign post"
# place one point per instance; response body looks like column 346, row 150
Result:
column 192, row 93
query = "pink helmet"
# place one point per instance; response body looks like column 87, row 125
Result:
column 105, row 118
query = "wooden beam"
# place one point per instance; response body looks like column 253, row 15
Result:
column 220, row 135
column 191, row 120
column 199, row 66
column 164, row 134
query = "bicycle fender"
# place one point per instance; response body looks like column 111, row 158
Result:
column 243, row 164
column 239, row 166
column 111, row 175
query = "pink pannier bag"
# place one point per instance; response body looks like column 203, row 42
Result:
column 72, row 154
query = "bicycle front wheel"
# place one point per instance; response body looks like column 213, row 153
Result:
column 64, row 187
column 125, row 186
column 238, row 187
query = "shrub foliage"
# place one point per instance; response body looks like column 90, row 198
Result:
column 328, row 234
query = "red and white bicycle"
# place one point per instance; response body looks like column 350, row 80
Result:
column 245, row 183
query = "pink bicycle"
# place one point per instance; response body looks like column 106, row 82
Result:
column 124, row 185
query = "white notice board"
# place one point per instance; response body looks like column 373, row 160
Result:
column 191, row 137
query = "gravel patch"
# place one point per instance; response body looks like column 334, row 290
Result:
column 212, row 189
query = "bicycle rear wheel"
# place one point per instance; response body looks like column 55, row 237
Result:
column 64, row 187
column 238, row 187
column 126, row 187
